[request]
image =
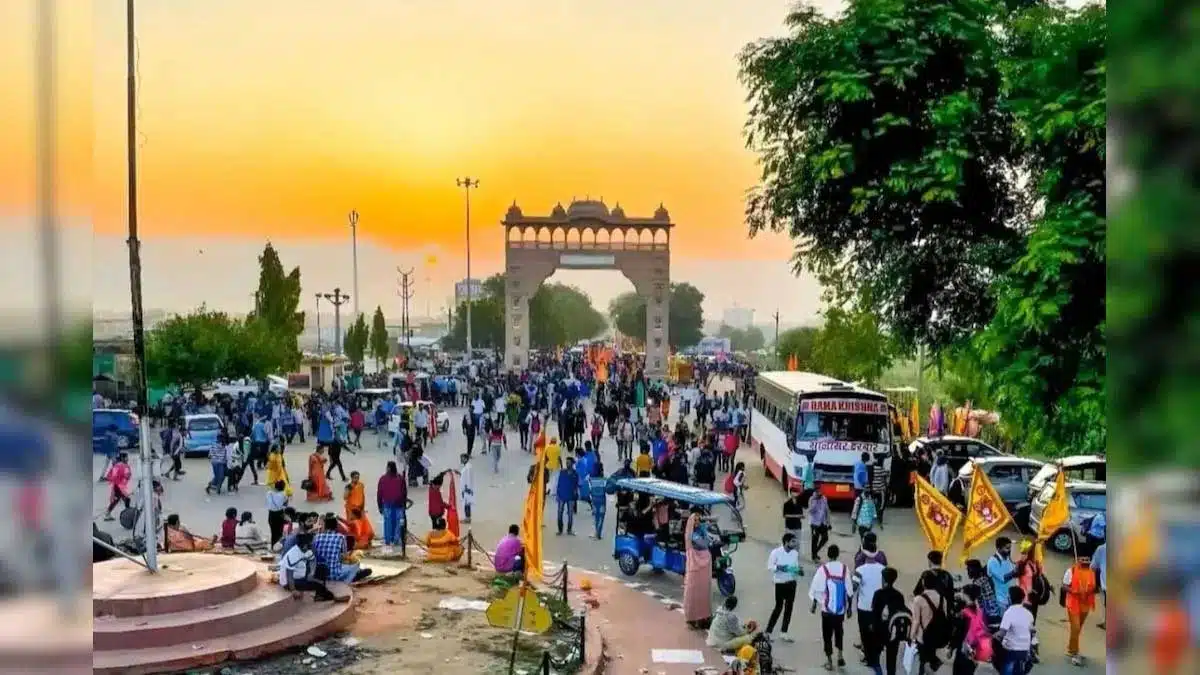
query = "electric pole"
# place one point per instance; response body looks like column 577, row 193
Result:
column 777, row 356
column 406, row 294
column 354, row 247
column 337, row 298
column 466, row 184
column 318, row 323
column 149, row 518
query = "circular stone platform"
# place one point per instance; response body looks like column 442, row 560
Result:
column 185, row 581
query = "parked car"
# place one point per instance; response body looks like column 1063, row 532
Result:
column 1085, row 499
column 200, row 434
column 1092, row 468
column 958, row 450
column 127, row 424
column 1009, row 475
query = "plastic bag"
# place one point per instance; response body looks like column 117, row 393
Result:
column 910, row 660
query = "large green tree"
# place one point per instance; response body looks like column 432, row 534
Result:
column 1045, row 347
column 558, row 315
column 199, row 348
column 798, row 342
column 277, row 303
column 852, row 347
column 685, row 316
column 887, row 155
column 746, row 339
column 380, row 348
column 356, row 342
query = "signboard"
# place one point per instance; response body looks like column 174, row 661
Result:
column 853, row 406
column 586, row 260
column 712, row 346
column 460, row 290
column 299, row 381
column 855, row 446
column 503, row 613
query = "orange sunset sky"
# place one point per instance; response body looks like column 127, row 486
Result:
column 271, row 119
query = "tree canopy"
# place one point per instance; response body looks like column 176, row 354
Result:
column 798, row 342
column 940, row 164
column 356, row 342
column 851, row 346
column 202, row 347
column 379, row 345
column 558, row 315
column 746, row 339
column 685, row 322
column 276, row 304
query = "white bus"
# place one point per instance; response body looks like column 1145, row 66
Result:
column 801, row 418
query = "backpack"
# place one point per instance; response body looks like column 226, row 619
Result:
column 837, row 595
column 937, row 631
column 729, row 487
column 899, row 626
column 1040, row 590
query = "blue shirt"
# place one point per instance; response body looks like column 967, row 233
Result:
column 598, row 489
column 861, row 477
column 325, row 428
column 567, row 487
column 658, row 448
column 1100, row 565
column 328, row 548
column 1098, row 527
column 998, row 568
column 259, row 433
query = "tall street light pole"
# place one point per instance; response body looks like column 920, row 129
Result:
column 337, row 298
column 466, row 184
column 354, row 247
column 318, row 323
column 149, row 518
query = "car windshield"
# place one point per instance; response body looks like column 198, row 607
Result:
column 1093, row 501
column 842, row 427
column 204, row 424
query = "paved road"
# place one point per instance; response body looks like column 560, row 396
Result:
column 500, row 500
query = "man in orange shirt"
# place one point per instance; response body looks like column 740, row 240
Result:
column 1079, row 597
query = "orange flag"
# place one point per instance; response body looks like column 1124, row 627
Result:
column 531, row 523
column 452, row 509
column 986, row 513
column 936, row 515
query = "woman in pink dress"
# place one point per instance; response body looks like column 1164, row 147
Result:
column 697, row 581
column 119, row 476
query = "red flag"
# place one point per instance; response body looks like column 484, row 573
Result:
column 452, row 508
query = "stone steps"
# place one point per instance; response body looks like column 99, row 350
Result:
column 202, row 610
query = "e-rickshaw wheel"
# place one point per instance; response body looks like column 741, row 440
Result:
column 727, row 585
column 628, row 563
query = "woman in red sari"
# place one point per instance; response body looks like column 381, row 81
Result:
column 317, row 487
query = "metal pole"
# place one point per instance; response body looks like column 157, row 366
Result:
column 467, row 183
column 776, row 315
column 354, row 246
column 337, row 298
column 318, row 323
column 135, row 289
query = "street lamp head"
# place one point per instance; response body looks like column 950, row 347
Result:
column 467, row 182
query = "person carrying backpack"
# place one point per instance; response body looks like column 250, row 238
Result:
column 706, row 469
column 830, row 592
column 931, row 623
column 893, row 623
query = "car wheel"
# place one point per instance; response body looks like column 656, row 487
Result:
column 123, row 442
column 1062, row 541
column 628, row 563
column 727, row 585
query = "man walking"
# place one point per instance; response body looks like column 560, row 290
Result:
column 567, row 493
column 784, row 565
column 829, row 592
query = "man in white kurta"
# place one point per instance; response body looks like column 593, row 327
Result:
column 467, row 486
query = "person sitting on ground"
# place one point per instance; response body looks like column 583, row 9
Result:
column 177, row 539
column 330, row 546
column 510, row 552
column 301, row 523
column 297, row 567
column 228, row 536
column 442, row 545
column 248, row 535
column 358, row 526
column 727, row 632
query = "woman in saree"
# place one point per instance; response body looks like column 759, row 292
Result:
column 277, row 471
column 697, row 580
column 318, row 488
column 356, row 495
column 359, row 528
column 178, row 539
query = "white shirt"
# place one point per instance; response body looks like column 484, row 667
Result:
column 467, row 480
column 1017, row 624
column 248, row 533
column 819, row 589
column 394, row 424
column 785, row 558
column 939, row 476
column 477, row 406
column 293, row 565
column 868, row 578
column 276, row 501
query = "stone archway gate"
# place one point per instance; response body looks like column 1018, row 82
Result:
column 587, row 236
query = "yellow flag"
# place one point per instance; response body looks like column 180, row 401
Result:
column 936, row 515
column 1057, row 512
column 531, row 524
column 986, row 513
column 914, row 419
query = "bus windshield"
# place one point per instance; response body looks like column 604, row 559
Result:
column 826, row 426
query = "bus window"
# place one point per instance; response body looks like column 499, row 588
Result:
column 842, row 427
